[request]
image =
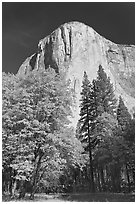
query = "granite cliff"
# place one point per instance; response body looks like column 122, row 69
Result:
column 74, row 48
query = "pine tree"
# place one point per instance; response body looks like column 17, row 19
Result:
column 85, row 123
column 104, row 156
column 104, row 103
column 97, row 98
column 105, row 93
column 127, row 131
column 125, row 121
column 123, row 116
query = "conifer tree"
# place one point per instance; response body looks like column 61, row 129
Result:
column 105, row 93
column 127, row 131
column 105, row 104
column 85, row 123
column 123, row 116
column 125, row 121
column 97, row 98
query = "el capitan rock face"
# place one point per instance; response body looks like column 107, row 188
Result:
column 74, row 48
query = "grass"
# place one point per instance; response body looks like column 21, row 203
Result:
column 100, row 197
column 78, row 197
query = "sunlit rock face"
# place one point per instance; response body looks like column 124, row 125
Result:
column 74, row 48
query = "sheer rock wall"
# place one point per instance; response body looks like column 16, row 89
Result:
column 74, row 48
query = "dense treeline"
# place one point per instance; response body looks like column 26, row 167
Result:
column 43, row 153
column 39, row 146
column 107, row 132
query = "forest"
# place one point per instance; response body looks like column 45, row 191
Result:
column 43, row 153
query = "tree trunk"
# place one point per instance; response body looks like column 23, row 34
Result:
column 35, row 177
column 33, row 193
column 133, row 177
column 102, row 179
column 113, row 184
column 128, row 179
column 74, row 182
column 86, row 179
column 91, row 173
column 98, row 177
column 14, row 187
column 10, row 187
column 118, row 177
column 90, row 159
column 10, row 181
column 22, row 190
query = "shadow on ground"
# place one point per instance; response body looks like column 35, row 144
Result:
column 77, row 197
column 100, row 197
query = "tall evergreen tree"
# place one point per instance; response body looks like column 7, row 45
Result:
column 125, row 121
column 85, row 123
column 105, row 93
column 96, row 99
column 123, row 116
column 127, row 131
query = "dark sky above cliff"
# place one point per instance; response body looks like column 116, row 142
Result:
column 24, row 24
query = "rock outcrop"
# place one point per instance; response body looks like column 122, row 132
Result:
column 74, row 48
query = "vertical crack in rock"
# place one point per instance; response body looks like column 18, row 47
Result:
column 39, row 49
column 33, row 61
column 70, row 42
column 124, row 56
column 64, row 39
column 48, row 55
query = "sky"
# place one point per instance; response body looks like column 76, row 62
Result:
column 25, row 23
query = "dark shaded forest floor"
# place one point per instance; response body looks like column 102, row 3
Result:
column 78, row 197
